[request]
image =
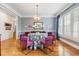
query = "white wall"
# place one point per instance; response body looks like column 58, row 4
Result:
column 5, row 18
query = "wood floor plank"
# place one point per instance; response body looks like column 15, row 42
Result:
column 10, row 48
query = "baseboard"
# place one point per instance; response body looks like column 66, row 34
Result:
column 71, row 44
column 6, row 39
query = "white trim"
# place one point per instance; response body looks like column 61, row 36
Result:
column 32, row 16
column 73, row 45
column 17, row 13
column 5, row 6
column 63, row 9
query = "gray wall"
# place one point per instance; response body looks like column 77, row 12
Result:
column 48, row 22
column 22, row 23
column 18, row 26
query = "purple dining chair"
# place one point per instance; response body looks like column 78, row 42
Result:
column 47, row 42
column 25, row 42
column 29, row 42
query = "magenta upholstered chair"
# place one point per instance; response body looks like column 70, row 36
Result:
column 29, row 42
column 49, row 33
column 23, row 41
column 52, row 34
column 47, row 42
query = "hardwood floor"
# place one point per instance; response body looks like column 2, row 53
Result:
column 11, row 48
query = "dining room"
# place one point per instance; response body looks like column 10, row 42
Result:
column 39, row 29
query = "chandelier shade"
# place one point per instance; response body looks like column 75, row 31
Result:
column 36, row 18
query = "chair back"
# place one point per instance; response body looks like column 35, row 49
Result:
column 23, row 41
column 26, row 33
column 49, row 33
column 48, row 40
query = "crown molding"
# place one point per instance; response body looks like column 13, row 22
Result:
column 63, row 9
column 18, row 14
column 5, row 6
column 32, row 16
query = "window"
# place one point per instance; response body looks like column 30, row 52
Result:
column 67, row 24
column 76, row 22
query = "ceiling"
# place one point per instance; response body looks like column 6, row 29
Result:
column 44, row 9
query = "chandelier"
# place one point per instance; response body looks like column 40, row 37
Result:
column 36, row 17
column 37, row 24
